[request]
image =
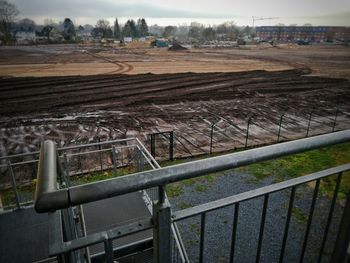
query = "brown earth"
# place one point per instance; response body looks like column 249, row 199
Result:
column 82, row 109
column 62, row 60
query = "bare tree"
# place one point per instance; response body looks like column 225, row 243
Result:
column 103, row 28
column 8, row 14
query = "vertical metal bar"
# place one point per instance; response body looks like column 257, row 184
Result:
column 341, row 246
column 115, row 161
column 309, row 124
column 14, row 186
column 211, row 138
column 109, row 251
column 100, row 153
column 262, row 226
column 66, row 166
column 171, row 145
column 279, row 128
column 234, row 231
column 153, row 145
column 286, row 227
column 162, row 229
column 79, row 161
column 247, row 134
column 84, row 231
column 174, row 250
column 330, row 216
column 335, row 119
column 201, row 244
column 309, row 221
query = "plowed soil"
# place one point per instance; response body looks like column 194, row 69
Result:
column 80, row 109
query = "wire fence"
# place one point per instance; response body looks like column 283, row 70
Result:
column 223, row 133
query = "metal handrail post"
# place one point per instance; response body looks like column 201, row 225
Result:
column 247, row 134
column 279, row 128
column 14, row 186
column 341, row 253
column 162, row 229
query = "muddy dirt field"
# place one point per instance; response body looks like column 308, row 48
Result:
column 81, row 109
column 63, row 60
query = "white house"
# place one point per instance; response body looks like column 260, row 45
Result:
column 25, row 37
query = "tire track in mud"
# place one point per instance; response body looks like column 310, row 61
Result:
column 123, row 67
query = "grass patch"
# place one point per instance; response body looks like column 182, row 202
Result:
column 306, row 163
column 201, row 187
column 98, row 176
column 173, row 190
column 184, row 205
column 299, row 215
column 25, row 193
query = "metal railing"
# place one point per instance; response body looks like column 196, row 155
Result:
column 117, row 156
column 72, row 220
column 50, row 199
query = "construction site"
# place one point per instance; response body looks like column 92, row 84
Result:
column 111, row 93
column 86, row 132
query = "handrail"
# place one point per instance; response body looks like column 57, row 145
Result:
column 47, row 179
column 245, row 196
column 65, row 148
column 49, row 199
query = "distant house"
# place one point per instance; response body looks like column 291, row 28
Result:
column 25, row 37
column 127, row 39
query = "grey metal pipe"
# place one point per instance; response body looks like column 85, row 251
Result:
column 46, row 185
column 143, row 180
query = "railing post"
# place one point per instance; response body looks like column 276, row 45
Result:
column 14, row 186
column 211, row 138
column 279, row 128
column 335, row 119
column 308, row 125
column 139, row 161
column 162, row 228
column 171, row 145
column 114, row 159
column 247, row 134
column 153, row 145
column 66, row 166
column 341, row 253
column 100, row 153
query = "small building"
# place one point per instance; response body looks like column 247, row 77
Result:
column 127, row 39
column 161, row 42
column 25, row 37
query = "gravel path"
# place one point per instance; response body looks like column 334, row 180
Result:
column 219, row 223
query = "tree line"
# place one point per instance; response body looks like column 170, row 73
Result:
column 103, row 29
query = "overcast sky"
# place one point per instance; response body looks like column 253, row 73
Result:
column 163, row 12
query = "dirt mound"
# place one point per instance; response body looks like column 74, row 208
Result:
column 176, row 47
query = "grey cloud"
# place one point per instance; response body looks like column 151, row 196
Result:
column 81, row 8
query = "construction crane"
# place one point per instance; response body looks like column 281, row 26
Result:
column 256, row 18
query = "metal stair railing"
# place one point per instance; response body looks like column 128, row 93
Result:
column 50, row 199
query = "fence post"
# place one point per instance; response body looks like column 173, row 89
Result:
column 14, row 186
column 211, row 138
column 308, row 125
column 153, row 145
column 247, row 135
column 341, row 253
column 139, row 161
column 114, row 159
column 161, row 230
column 66, row 167
column 335, row 119
column 100, row 153
column 171, row 145
column 279, row 128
